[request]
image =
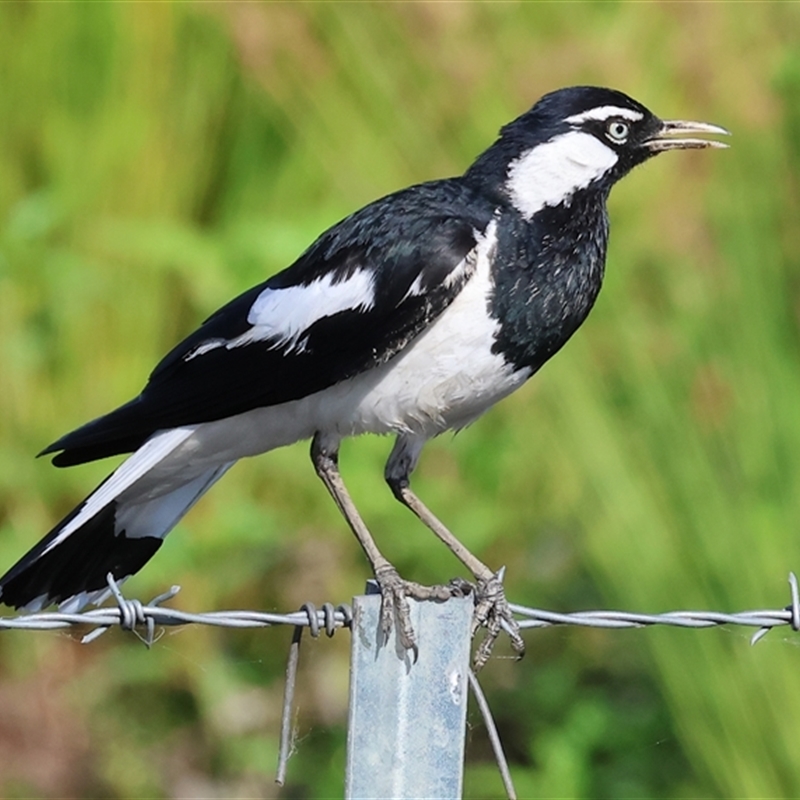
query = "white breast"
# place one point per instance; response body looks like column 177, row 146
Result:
column 449, row 376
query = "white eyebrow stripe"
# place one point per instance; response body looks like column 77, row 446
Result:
column 605, row 112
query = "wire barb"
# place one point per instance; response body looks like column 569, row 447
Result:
column 132, row 613
column 793, row 608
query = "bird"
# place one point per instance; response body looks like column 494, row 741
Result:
column 410, row 317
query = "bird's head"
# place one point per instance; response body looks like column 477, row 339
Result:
column 579, row 138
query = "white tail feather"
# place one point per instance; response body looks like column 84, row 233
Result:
column 154, row 450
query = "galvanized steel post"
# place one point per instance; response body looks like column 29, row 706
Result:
column 407, row 720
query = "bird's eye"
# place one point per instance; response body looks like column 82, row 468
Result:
column 618, row 131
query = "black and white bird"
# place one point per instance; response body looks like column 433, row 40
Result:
column 411, row 317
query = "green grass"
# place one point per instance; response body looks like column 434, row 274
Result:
column 155, row 159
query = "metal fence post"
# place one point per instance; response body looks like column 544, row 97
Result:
column 407, row 721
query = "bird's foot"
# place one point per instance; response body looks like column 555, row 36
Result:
column 395, row 592
column 493, row 612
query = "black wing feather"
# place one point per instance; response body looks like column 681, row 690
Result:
column 420, row 234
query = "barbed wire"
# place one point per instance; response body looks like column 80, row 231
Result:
column 133, row 615
column 764, row 620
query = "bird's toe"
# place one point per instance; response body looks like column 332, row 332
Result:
column 395, row 592
column 493, row 612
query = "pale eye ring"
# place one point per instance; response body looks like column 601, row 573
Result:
column 618, row 131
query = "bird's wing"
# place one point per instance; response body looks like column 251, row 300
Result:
column 353, row 300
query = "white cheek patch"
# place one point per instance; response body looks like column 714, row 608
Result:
column 550, row 173
column 604, row 113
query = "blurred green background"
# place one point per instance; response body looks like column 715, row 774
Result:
column 156, row 159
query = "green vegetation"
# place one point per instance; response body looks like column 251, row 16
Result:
column 157, row 158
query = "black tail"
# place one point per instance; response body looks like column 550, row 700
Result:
column 117, row 529
column 78, row 565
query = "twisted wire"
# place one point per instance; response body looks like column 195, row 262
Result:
column 135, row 616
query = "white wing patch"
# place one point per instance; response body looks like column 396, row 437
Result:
column 415, row 289
column 550, row 173
column 466, row 265
column 604, row 113
column 284, row 315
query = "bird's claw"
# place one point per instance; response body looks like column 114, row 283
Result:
column 395, row 592
column 493, row 612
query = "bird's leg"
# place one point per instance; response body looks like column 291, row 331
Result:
column 491, row 607
column 394, row 590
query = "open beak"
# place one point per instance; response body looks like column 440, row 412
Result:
column 666, row 139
